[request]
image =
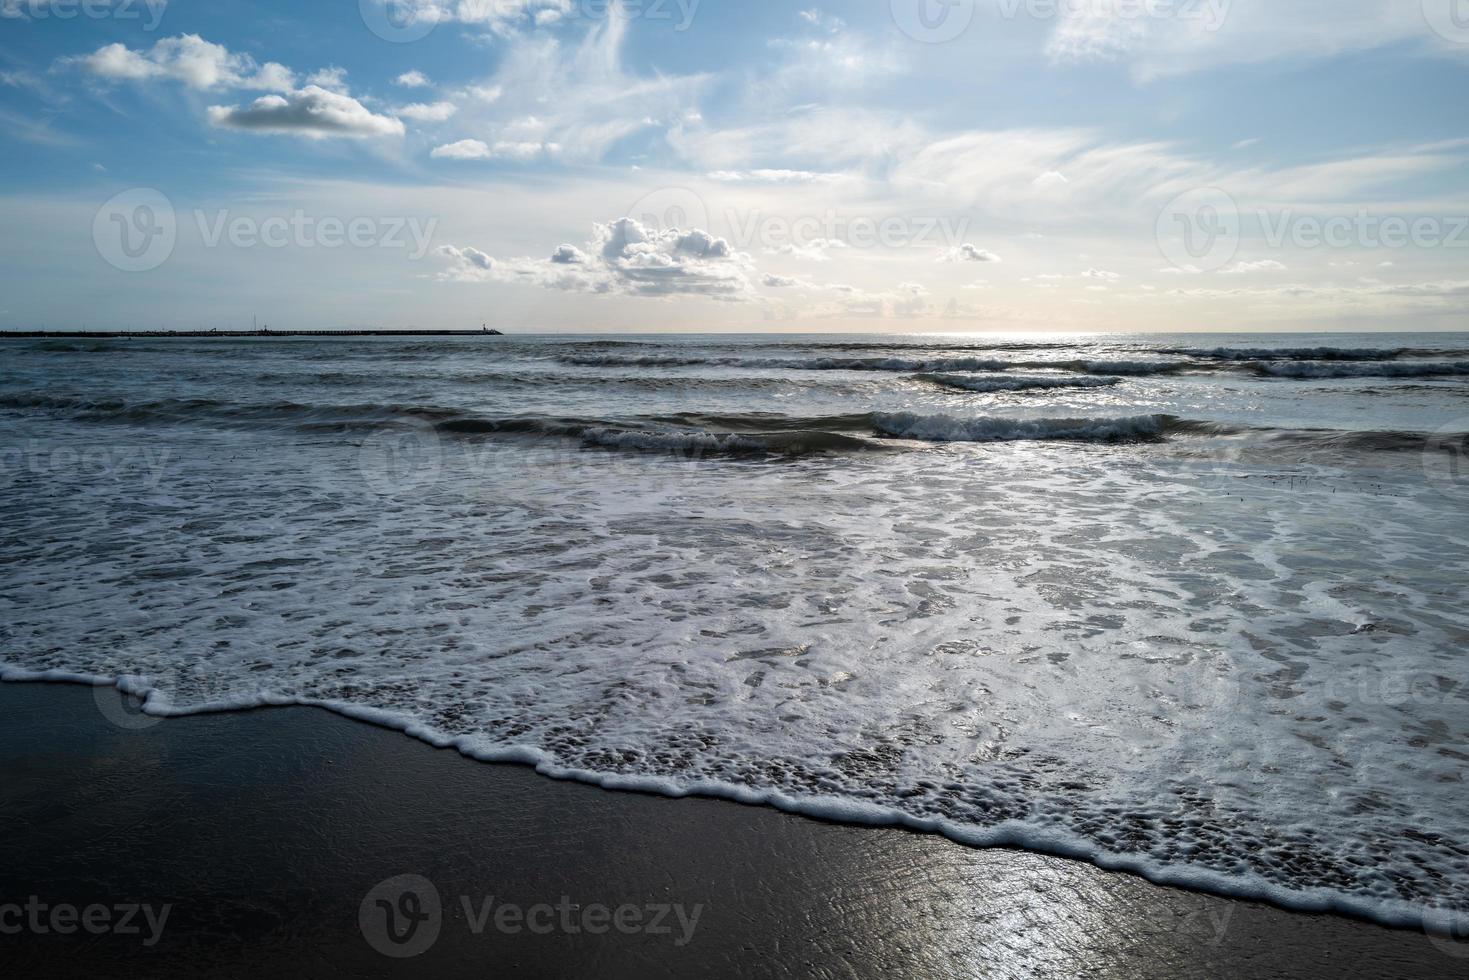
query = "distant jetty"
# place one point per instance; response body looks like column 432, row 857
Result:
column 97, row 334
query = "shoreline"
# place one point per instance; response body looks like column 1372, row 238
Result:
column 420, row 803
column 835, row 811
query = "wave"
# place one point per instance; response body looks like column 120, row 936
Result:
column 888, row 364
column 1005, row 383
column 946, row 428
column 1391, row 369
column 1310, row 353
column 1038, row 832
column 698, row 434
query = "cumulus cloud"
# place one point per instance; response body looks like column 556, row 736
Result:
column 1101, row 274
column 783, row 282
column 332, row 79
column 969, row 253
column 313, row 112
column 623, row 257
column 323, row 107
column 187, row 58
column 466, row 260
column 413, row 79
column 427, row 111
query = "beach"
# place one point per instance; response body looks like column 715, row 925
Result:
column 265, row 831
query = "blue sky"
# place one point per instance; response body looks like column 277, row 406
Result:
column 580, row 165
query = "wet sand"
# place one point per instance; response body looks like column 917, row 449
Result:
column 269, row 833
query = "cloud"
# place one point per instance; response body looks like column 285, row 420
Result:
column 813, row 250
column 462, row 150
column 1101, row 274
column 503, row 150
column 783, row 282
column 1263, row 265
column 968, row 253
column 1189, row 37
column 312, row 112
column 427, row 111
column 573, row 99
column 332, row 79
column 623, row 257
column 412, row 79
column 187, row 58
column 466, row 259
column 771, row 176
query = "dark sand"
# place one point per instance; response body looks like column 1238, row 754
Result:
column 265, row 831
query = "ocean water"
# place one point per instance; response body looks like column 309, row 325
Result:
column 1192, row 606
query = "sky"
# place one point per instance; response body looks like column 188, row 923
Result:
column 704, row 165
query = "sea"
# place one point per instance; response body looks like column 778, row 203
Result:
column 1191, row 606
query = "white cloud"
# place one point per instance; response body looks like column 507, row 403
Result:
column 462, row 150
column 332, row 79
column 427, row 111
column 413, row 79
column 1263, row 265
column 503, row 150
column 814, row 250
column 574, row 97
column 1212, row 33
column 1101, row 274
column 623, row 257
column 767, row 176
column 968, row 253
column 187, row 58
column 313, row 112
